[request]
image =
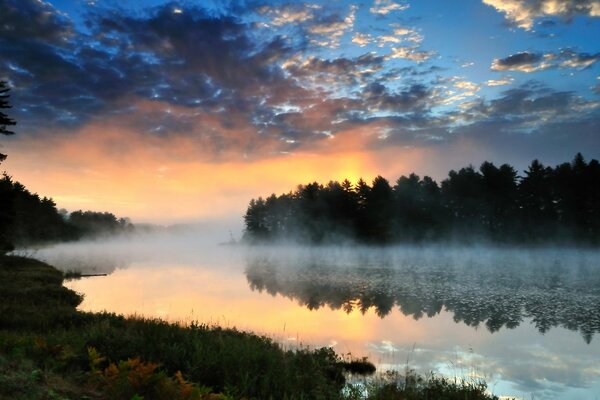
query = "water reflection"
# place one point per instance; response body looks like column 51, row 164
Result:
column 391, row 305
column 492, row 287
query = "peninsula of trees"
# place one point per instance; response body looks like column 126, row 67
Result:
column 490, row 204
column 26, row 218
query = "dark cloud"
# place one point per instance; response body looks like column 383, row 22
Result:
column 192, row 41
column 181, row 70
column 532, row 62
column 180, row 56
column 33, row 20
column 350, row 71
column 530, row 119
column 524, row 61
column 377, row 97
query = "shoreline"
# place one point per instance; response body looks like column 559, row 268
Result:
column 75, row 354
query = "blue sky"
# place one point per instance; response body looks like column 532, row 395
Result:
column 450, row 82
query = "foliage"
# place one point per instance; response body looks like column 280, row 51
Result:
column 133, row 377
column 393, row 386
column 492, row 203
column 32, row 296
column 26, row 218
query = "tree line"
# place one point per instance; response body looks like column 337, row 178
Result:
column 490, row 203
column 26, row 218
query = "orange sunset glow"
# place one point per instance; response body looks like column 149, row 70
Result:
column 106, row 167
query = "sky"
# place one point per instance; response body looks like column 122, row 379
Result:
column 180, row 111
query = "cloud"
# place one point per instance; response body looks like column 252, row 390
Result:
column 571, row 59
column 524, row 62
column 328, row 29
column 290, row 13
column 466, row 85
column 384, row 7
column 361, row 39
column 533, row 62
column 400, row 35
column 229, row 88
column 533, row 106
column 410, row 53
column 414, row 98
column 349, row 71
column 157, row 55
column 522, row 13
column 33, row 19
column 500, row 82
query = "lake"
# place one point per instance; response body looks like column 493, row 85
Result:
column 525, row 320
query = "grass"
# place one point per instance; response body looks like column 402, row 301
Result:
column 411, row 386
column 49, row 350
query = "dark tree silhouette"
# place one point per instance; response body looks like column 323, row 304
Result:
column 26, row 218
column 538, row 211
column 5, row 120
column 379, row 210
column 491, row 203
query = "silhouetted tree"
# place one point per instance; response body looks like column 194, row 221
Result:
column 92, row 223
column 5, row 120
column 537, row 209
column 499, row 197
column 492, row 203
column 418, row 210
column 379, row 210
column 463, row 192
column 26, row 218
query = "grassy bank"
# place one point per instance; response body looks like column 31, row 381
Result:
column 49, row 350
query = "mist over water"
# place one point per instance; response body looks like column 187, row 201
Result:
column 527, row 320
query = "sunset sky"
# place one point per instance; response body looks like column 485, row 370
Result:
column 181, row 111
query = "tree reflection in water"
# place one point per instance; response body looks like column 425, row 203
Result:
column 497, row 288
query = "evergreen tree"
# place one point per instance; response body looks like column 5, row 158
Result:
column 491, row 203
column 536, row 201
column 5, row 120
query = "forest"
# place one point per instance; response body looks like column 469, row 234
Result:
column 26, row 218
column 489, row 204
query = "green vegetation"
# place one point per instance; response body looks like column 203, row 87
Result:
column 49, row 350
column 393, row 386
column 560, row 204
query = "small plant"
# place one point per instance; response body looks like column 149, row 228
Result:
column 135, row 379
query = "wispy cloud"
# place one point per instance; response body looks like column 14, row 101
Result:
column 500, row 82
column 384, row 7
column 410, row 53
column 290, row 13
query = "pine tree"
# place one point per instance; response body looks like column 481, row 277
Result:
column 5, row 120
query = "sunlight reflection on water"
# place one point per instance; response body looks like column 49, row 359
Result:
column 525, row 320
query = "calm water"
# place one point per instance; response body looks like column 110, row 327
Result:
column 528, row 321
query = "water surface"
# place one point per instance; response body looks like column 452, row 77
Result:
column 526, row 320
